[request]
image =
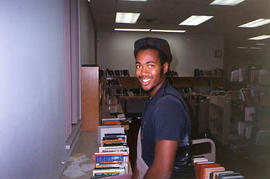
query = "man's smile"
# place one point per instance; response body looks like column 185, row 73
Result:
column 145, row 81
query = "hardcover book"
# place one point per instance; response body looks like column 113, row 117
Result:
column 215, row 175
column 206, row 171
column 197, row 168
column 113, row 149
column 106, row 172
column 112, row 159
column 199, row 159
column 105, row 130
column 233, row 175
column 201, row 167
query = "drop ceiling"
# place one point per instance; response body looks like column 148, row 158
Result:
column 167, row 14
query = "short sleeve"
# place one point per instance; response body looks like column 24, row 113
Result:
column 169, row 119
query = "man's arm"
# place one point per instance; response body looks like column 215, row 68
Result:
column 165, row 152
column 135, row 174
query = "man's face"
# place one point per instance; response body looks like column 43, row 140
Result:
column 149, row 71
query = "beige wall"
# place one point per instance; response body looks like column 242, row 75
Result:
column 87, row 35
column 115, row 51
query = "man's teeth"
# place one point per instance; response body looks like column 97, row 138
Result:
column 146, row 80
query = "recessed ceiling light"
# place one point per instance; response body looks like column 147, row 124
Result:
column 139, row 30
column 261, row 37
column 126, row 17
column 256, row 23
column 176, row 31
column 226, row 2
column 195, row 20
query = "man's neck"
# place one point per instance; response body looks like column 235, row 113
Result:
column 156, row 88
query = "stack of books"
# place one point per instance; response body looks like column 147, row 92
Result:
column 112, row 121
column 112, row 159
column 115, row 139
column 107, row 130
column 205, row 169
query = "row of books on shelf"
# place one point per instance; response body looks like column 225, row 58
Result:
column 205, row 169
column 260, row 76
column 252, row 96
column 112, row 158
column 114, row 73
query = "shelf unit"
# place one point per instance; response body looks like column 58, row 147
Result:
column 90, row 98
column 250, row 103
column 220, row 117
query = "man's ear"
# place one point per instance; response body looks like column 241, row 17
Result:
column 165, row 67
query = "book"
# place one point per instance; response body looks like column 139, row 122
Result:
column 111, row 144
column 113, row 149
column 199, row 159
column 206, row 171
column 201, row 167
column 234, row 175
column 121, row 137
column 215, row 175
column 105, row 130
column 197, row 168
column 108, row 171
column 106, row 142
column 112, row 159
column 112, row 121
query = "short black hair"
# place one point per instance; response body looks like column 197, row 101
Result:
column 161, row 45
column 162, row 57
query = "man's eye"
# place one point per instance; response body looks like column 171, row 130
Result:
column 138, row 66
column 150, row 66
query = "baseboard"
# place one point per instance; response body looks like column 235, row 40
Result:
column 71, row 143
column 74, row 136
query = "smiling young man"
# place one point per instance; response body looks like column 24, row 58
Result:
column 164, row 136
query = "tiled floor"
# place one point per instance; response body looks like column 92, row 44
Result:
column 87, row 145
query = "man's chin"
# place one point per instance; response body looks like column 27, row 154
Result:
column 147, row 89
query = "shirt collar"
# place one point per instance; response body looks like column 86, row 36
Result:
column 160, row 91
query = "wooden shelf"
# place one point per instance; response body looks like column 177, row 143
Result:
column 90, row 98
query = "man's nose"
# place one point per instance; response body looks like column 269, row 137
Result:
column 144, row 70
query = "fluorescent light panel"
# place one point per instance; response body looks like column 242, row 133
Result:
column 256, row 23
column 176, row 31
column 195, row 20
column 138, row 30
column 261, row 37
column 126, row 17
column 260, row 44
column 226, row 2
column 242, row 47
column 255, row 48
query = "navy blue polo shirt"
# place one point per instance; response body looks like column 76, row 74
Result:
column 165, row 117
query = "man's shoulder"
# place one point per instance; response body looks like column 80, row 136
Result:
column 171, row 91
column 171, row 95
column 167, row 96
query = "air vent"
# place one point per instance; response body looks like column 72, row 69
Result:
column 148, row 21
